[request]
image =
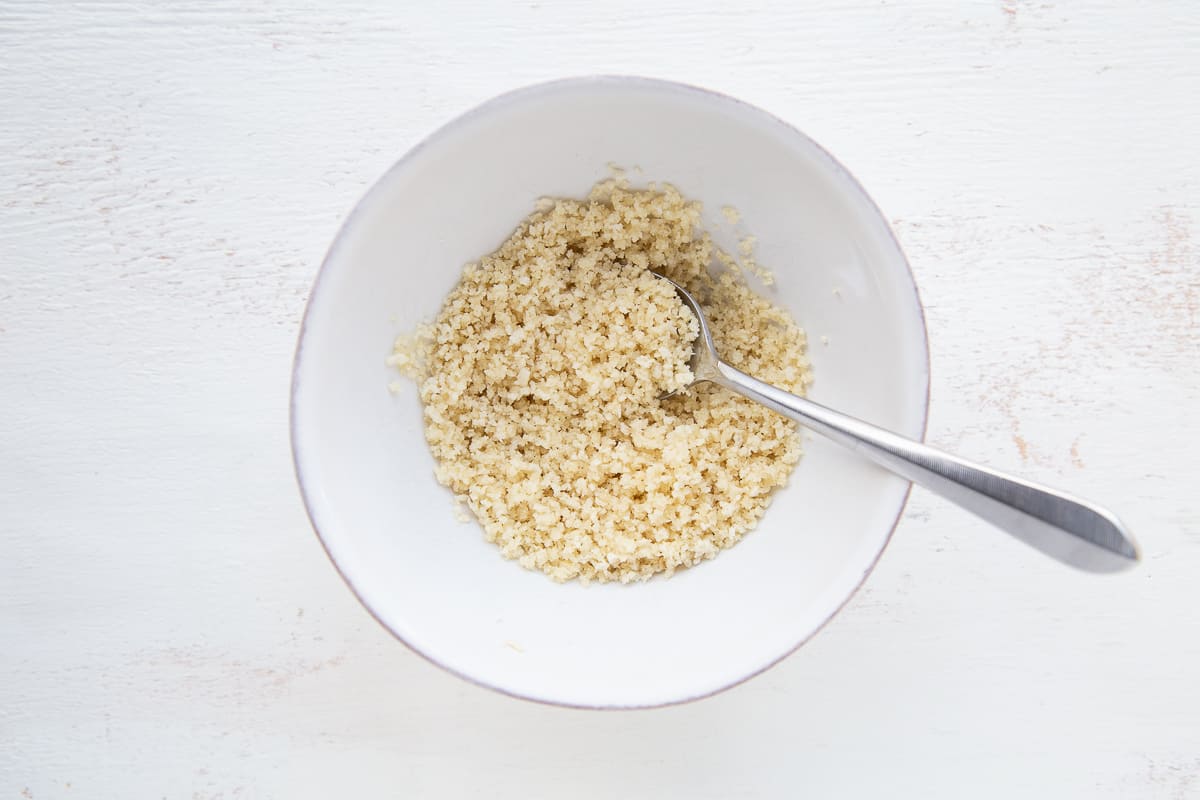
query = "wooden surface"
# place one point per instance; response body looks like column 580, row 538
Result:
column 170, row 176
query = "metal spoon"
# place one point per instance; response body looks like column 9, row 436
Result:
column 1075, row 532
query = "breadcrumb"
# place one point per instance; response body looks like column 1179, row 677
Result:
column 540, row 382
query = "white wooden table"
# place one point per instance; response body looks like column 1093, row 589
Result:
column 169, row 179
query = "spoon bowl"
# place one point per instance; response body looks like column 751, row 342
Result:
column 367, row 474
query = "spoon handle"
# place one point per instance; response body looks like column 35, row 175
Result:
column 1075, row 532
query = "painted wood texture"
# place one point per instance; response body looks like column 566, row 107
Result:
column 170, row 175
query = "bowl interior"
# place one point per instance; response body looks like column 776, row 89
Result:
column 367, row 474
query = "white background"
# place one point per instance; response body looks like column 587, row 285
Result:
column 170, row 176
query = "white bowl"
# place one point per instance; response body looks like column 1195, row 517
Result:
column 367, row 475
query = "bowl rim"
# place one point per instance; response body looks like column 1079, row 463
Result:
column 467, row 117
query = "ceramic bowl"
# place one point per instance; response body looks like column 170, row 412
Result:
column 366, row 473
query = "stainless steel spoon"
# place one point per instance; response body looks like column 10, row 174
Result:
column 1075, row 532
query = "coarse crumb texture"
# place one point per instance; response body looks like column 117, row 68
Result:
column 540, row 380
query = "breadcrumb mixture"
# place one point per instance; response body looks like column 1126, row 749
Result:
column 540, row 380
